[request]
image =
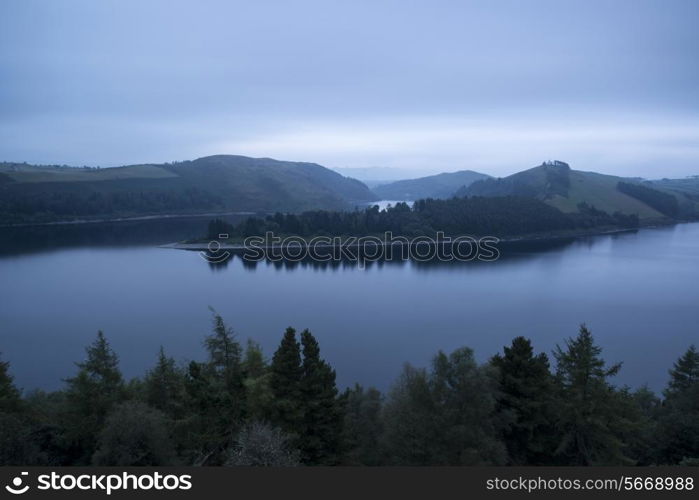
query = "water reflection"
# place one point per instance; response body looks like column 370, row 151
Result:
column 399, row 256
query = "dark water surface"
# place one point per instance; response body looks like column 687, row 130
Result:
column 638, row 293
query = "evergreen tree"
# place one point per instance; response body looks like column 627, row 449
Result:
column 135, row 434
column 258, row 393
column 90, row 395
column 164, row 386
column 285, row 382
column 466, row 397
column 588, row 404
column 14, row 445
column 362, row 427
column 678, row 426
column 684, row 373
column 215, row 397
column 322, row 420
column 411, row 421
column 10, row 400
column 526, row 396
column 445, row 417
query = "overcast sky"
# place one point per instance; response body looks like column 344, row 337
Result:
column 495, row 86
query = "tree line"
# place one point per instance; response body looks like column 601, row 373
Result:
column 238, row 408
column 664, row 203
column 481, row 216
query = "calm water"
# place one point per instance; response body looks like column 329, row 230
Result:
column 638, row 292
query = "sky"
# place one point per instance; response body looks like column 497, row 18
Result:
column 493, row 86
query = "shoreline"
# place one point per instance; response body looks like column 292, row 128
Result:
column 125, row 219
column 204, row 246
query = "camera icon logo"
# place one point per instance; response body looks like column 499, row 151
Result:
column 16, row 487
column 214, row 255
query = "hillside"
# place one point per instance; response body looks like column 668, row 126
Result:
column 434, row 186
column 564, row 188
column 31, row 193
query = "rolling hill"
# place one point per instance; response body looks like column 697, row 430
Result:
column 434, row 186
column 31, row 193
column 566, row 189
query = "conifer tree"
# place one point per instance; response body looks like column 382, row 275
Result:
column 13, row 426
column 444, row 417
column 526, row 395
column 258, row 394
column 362, row 427
column 679, row 417
column 322, row 422
column 164, row 386
column 685, row 372
column 216, row 396
column 587, row 413
column 285, row 382
column 90, row 395
column 10, row 400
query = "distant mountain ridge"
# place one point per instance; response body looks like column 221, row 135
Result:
column 442, row 185
column 558, row 185
column 212, row 183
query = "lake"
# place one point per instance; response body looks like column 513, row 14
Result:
column 638, row 292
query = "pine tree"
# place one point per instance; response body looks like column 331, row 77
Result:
column 322, row 422
column 285, row 382
column 215, row 397
column 445, row 416
column 224, row 351
column 90, row 395
column 10, row 400
column 14, row 445
column 685, row 372
column 587, row 417
column 164, row 386
column 362, row 426
column 678, row 425
column 526, row 395
column 257, row 375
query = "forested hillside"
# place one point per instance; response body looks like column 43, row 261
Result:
column 215, row 183
column 434, row 186
column 481, row 216
column 556, row 184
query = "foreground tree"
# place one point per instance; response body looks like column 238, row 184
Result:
column 285, row 382
column 322, row 421
column 14, row 428
column 215, row 398
column 678, row 426
column 137, row 435
column 445, row 417
column 90, row 395
column 362, row 427
column 257, row 375
column 164, row 387
column 526, row 397
column 588, row 420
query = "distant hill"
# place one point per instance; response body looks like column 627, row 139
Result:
column 566, row 189
column 373, row 176
column 434, row 186
column 212, row 183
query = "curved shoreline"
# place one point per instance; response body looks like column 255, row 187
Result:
column 222, row 245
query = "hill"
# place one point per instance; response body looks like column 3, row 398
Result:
column 434, row 186
column 558, row 185
column 30, row 193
